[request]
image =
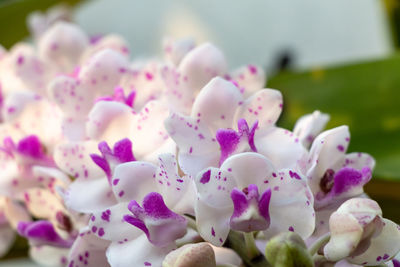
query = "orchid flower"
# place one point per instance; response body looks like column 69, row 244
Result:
column 206, row 139
column 309, row 126
column 248, row 194
column 151, row 229
column 361, row 235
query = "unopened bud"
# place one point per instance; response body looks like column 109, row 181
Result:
column 191, row 255
column 288, row 250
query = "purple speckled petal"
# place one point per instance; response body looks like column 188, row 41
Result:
column 309, row 126
column 161, row 225
column 42, row 233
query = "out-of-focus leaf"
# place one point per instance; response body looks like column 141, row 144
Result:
column 13, row 15
column 364, row 96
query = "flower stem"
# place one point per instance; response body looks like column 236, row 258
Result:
column 252, row 249
column 319, row 243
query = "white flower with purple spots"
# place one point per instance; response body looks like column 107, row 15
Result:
column 248, row 194
column 361, row 235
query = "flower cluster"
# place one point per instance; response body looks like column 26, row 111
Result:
column 172, row 161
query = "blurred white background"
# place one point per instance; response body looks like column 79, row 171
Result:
column 317, row 33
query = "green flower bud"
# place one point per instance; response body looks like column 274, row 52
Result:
column 288, row 250
column 191, row 255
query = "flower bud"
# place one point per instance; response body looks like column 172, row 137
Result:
column 288, row 250
column 191, row 255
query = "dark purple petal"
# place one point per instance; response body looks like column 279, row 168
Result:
column 123, row 150
column 30, row 146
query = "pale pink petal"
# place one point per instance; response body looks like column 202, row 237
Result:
column 212, row 222
column 42, row 204
column 133, row 180
column 7, row 237
column 49, row 255
column 346, row 233
column 216, row 103
column 109, row 121
column 109, row 224
column 30, row 114
column 249, row 168
column 327, row 152
column 249, row 79
column 148, row 130
column 264, row 106
column 291, row 205
column 50, row 177
column 74, row 100
column 202, row 64
column 62, row 46
column 110, row 41
column 309, row 126
column 198, row 149
column 31, row 71
column 74, row 159
column 99, row 197
column 226, row 256
column 281, row 147
column 176, row 49
column 138, row 252
column 15, row 212
column 103, row 72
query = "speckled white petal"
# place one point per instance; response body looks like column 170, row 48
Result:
column 74, row 159
column 214, row 187
column 49, row 256
column 99, row 197
column 169, row 183
column 309, row 126
column 281, row 147
column 88, row 250
column 148, row 130
column 62, row 45
column 291, row 205
column 109, row 224
column 216, row 103
column 248, row 168
column 264, row 106
column 198, row 149
column 212, row 222
column 359, row 160
column 202, row 64
column 109, row 121
column 133, row 180
column 138, row 252
column 103, row 72
column 250, row 79
column 327, row 152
